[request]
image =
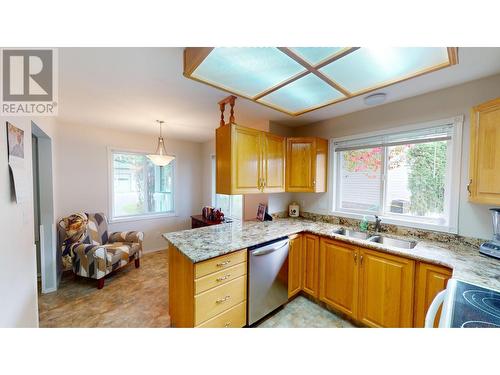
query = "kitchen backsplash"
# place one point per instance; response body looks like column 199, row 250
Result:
column 396, row 230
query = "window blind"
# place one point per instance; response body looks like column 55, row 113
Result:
column 436, row 133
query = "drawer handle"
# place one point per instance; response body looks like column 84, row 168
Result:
column 227, row 324
column 222, row 300
column 222, row 264
column 222, row 278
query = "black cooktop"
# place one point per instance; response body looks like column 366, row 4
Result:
column 475, row 307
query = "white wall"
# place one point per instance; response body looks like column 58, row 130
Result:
column 82, row 183
column 474, row 220
column 18, row 283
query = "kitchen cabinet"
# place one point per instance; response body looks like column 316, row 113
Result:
column 310, row 264
column 430, row 280
column 295, row 265
column 212, row 293
column 484, row 161
column 249, row 161
column 306, row 164
column 386, row 285
column 273, row 163
column 338, row 280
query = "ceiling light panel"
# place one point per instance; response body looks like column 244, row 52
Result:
column 368, row 68
column 247, row 71
column 303, row 94
column 315, row 55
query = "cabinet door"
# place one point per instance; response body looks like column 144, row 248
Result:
column 386, row 290
column 338, row 276
column 273, row 163
column 295, row 266
column 246, row 160
column 300, row 164
column 485, row 153
column 431, row 280
column 310, row 264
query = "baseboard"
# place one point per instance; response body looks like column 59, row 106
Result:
column 49, row 290
column 153, row 250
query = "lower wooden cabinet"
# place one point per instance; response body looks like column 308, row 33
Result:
column 386, row 285
column 310, row 264
column 295, row 265
column 338, row 276
column 235, row 317
column 212, row 293
column 430, row 280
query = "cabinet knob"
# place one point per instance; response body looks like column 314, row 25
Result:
column 222, row 278
column 355, row 258
column 361, row 259
column 222, row 300
column 468, row 187
column 222, row 264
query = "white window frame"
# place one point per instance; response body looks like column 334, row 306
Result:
column 214, row 194
column 452, row 179
column 139, row 217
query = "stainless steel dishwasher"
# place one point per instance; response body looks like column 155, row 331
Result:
column 268, row 278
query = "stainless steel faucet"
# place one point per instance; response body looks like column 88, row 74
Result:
column 377, row 223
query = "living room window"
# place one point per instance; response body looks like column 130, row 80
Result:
column 408, row 177
column 139, row 188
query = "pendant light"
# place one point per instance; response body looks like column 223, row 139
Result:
column 160, row 157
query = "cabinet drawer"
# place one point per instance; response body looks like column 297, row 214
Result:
column 219, row 299
column 219, row 278
column 219, row 263
column 235, row 317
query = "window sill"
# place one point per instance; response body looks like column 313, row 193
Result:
column 398, row 222
column 124, row 219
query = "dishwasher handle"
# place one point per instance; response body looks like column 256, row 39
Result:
column 433, row 309
column 267, row 251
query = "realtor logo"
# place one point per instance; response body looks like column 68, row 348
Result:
column 29, row 86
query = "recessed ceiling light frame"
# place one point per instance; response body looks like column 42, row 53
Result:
column 195, row 56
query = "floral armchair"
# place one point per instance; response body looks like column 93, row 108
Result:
column 91, row 252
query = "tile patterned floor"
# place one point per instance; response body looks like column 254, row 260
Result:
column 139, row 298
column 302, row 313
column 131, row 297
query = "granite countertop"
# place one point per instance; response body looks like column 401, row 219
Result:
column 209, row 242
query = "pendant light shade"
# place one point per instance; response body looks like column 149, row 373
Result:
column 160, row 157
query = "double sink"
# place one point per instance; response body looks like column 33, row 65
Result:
column 403, row 244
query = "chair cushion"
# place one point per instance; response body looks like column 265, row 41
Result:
column 97, row 228
column 117, row 251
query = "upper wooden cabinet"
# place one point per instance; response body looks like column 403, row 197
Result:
column 248, row 161
column 431, row 279
column 273, row 163
column 306, row 164
column 484, row 162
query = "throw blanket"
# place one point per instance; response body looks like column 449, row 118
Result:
column 74, row 230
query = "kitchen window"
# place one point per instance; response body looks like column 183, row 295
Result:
column 231, row 205
column 408, row 177
column 139, row 188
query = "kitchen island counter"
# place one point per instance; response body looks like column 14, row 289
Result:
column 209, row 242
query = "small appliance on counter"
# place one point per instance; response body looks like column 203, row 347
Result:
column 293, row 210
column 492, row 248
